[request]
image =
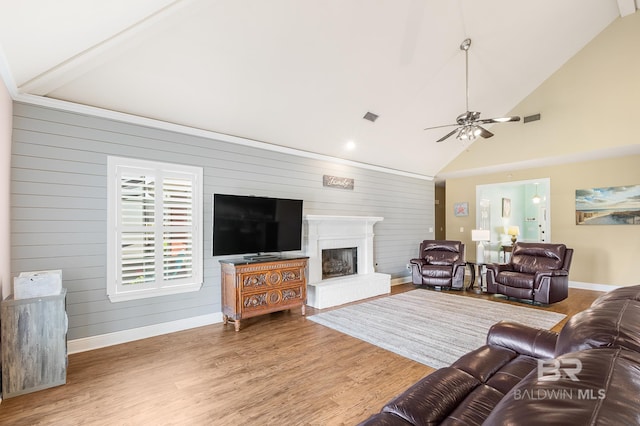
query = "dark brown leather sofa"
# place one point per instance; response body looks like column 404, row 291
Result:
column 588, row 374
column 536, row 271
column 440, row 264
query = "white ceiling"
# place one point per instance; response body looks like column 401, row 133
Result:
column 299, row 73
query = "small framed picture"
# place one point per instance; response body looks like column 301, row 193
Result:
column 506, row 207
column 461, row 209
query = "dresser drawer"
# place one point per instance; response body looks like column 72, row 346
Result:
column 260, row 280
column 272, row 300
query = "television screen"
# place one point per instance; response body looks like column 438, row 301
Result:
column 246, row 224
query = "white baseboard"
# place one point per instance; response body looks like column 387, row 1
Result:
column 401, row 280
column 124, row 336
column 592, row 286
column 118, row 337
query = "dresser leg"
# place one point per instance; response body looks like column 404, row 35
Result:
column 303, row 310
column 236, row 323
column 225, row 319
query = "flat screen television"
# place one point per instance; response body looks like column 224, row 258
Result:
column 248, row 225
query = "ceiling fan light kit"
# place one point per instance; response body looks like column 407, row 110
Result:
column 468, row 123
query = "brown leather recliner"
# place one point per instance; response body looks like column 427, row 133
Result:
column 536, row 271
column 521, row 376
column 440, row 264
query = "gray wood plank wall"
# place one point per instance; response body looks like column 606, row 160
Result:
column 58, row 206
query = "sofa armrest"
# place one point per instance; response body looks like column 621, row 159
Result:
column 554, row 273
column 419, row 262
column 555, row 276
column 525, row 340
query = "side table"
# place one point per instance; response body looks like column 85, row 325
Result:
column 506, row 249
column 472, row 272
column 472, row 269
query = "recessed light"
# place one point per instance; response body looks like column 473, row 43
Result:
column 350, row 146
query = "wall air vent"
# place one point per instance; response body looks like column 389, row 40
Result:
column 534, row 117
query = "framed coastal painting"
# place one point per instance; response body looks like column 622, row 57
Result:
column 461, row 209
column 614, row 205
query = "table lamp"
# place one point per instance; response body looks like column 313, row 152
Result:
column 480, row 235
column 514, row 231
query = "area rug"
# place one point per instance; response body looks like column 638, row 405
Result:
column 429, row 327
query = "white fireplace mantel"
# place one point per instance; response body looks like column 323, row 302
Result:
column 331, row 232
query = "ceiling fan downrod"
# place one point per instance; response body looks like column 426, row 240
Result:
column 465, row 45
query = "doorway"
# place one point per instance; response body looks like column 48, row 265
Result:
column 517, row 210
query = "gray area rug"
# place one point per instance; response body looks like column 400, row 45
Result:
column 429, row 327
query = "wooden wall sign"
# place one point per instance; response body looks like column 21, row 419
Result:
column 337, row 182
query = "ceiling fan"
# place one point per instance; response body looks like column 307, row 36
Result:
column 469, row 123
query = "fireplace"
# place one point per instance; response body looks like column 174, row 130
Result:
column 348, row 244
column 339, row 262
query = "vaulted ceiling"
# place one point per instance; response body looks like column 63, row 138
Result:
column 299, row 74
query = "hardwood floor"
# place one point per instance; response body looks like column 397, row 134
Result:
column 279, row 369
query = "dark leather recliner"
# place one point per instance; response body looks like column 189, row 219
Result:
column 440, row 264
column 536, row 271
column 520, row 377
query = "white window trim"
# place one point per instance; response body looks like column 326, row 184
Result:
column 159, row 288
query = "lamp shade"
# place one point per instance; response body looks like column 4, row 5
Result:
column 513, row 231
column 480, row 235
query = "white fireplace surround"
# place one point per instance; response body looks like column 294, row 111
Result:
column 331, row 232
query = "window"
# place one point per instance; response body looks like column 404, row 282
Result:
column 154, row 229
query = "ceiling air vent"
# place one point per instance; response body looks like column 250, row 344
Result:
column 370, row 116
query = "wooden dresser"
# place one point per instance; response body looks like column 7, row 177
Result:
column 252, row 287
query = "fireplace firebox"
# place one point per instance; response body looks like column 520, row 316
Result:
column 339, row 262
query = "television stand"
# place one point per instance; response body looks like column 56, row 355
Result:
column 252, row 287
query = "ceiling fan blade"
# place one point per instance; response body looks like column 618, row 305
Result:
column 447, row 135
column 444, row 125
column 500, row 119
column 484, row 132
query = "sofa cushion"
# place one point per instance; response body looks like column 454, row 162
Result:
column 476, row 406
column 437, row 271
column 611, row 323
column 515, row 279
column 431, row 399
column 532, row 258
column 605, row 392
column 442, row 252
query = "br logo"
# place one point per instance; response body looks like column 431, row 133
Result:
column 552, row 370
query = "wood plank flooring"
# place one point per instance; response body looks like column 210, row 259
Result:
column 280, row 369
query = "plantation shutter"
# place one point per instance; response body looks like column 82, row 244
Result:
column 156, row 228
column 177, row 228
column 137, row 230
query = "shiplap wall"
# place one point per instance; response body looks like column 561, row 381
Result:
column 59, row 206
